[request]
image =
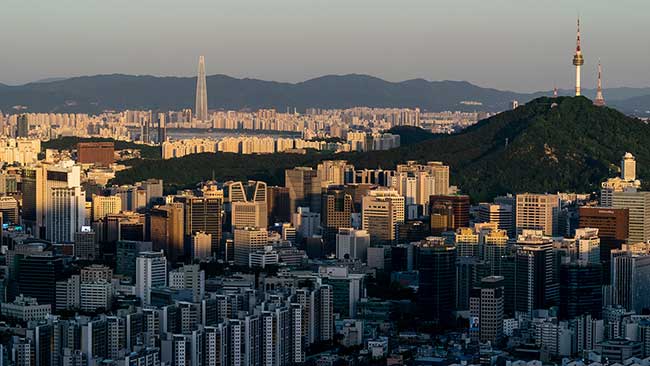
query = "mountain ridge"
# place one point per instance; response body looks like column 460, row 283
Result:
column 93, row 94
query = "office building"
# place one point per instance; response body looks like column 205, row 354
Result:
column 105, row 205
column 66, row 213
column 279, row 204
column 630, row 271
column 638, row 205
column 304, row 188
column 352, row 244
column 612, row 225
column 501, row 214
column 204, row 214
column 436, row 263
column 581, row 289
column 536, row 285
column 246, row 241
column 85, row 244
column 336, row 211
column 382, row 210
column 448, row 212
column 486, row 310
column 167, row 230
column 538, row 212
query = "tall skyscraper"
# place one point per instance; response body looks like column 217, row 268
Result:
column 304, row 188
column 436, row 262
column 600, row 99
column 631, row 278
column 536, row 285
column 578, row 60
column 581, row 289
column 204, row 214
column 638, row 205
column 336, row 212
column 201, row 108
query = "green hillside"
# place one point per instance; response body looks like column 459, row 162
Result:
column 547, row 145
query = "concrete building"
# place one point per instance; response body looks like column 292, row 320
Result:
column 538, row 212
column 151, row 271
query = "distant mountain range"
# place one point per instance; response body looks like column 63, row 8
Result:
column 92, row 94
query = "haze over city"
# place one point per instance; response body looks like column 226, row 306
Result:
column 168, row 208
column 519, row 46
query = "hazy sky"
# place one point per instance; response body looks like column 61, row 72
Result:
column 520, row 45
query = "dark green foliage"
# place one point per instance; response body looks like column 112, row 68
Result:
column 70, row 143
column 572, row 146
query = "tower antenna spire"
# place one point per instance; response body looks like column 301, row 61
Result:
column 600, row 100
column 578, row 59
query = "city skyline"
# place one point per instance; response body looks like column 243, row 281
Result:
column 431, row 41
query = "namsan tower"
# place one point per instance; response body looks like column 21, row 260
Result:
column 201, row 92
column 600, row 100
column 578, row 60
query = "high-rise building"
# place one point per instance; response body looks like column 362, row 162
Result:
column 201, row 108
column 66, row 213
column 581, row 289
column 248, row 240
column 436, row 263
column 22, row 129
column 631, row 278
column 247, row 203
column 536, row 285
column 382, row 211
column 578, row 60
column 448, row 212
column 538, row 212
column 495, row 249
column 486, row 309
column 587, row 245
column 332, row 172
column 204, row 214
column 336, row 211
column 466, row 241
column 279, row 204
column 105, row 205
column 612, row 225
column 167, row 230
column 151, row 271
column 500, row 214
column 638, row 205
column 126, row 255
column 201, row 246
column 304, row 188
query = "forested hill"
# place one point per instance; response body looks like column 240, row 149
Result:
column 547, row 145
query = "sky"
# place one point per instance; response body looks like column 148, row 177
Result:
column 520, row 45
